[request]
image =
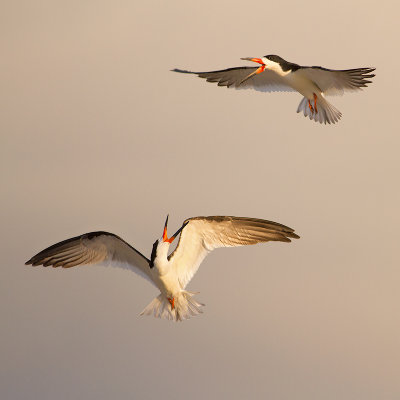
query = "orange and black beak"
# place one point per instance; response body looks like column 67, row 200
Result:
column 257, row 71
column 171, row 239
column 257, row 60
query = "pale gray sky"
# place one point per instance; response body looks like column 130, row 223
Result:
column 98, row 134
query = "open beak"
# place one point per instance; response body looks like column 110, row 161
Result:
column 257, row 60
column 171, row 239
column 257, row 71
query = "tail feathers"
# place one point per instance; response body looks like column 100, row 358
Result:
column 185, row 307
column 326, row 113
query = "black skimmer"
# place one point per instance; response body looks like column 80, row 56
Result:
column 278, row 75
column 170, row 273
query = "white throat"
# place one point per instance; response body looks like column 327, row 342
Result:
column 161, row 262
column 273, row 66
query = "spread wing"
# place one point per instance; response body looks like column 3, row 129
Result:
column 95, row 248
column 204, row 234
column 267, row 81
column 334, row 82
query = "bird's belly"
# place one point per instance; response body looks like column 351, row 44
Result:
column 168, row 284
column 303, row 85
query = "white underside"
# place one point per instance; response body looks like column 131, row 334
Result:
column 323, row 112
column 303, row 85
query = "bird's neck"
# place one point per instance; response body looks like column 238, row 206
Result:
column 161, row 262
column 278, row 70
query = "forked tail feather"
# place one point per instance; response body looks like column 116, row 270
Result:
column 326, row 113
column 185, row 306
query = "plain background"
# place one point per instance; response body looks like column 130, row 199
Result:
column 98, row 134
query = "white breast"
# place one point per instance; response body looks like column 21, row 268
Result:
column 302, row 84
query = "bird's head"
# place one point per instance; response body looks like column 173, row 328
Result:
column 161, row 246
column 270, row 61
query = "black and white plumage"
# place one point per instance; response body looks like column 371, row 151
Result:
column 169, row 273
column 278, row 75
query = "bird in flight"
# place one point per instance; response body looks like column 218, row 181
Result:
column 278, row 75
column 170, row 273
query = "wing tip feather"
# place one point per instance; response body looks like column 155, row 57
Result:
column 182, row 71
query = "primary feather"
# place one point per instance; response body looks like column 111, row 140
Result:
column 204, row 234
column 94, row 248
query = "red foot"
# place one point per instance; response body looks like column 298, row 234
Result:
column 311, row 107
column 315, row 102
column 172, row 302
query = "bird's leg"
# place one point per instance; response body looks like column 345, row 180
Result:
column 172, row 302
column 315, row 102
column 311, row 107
